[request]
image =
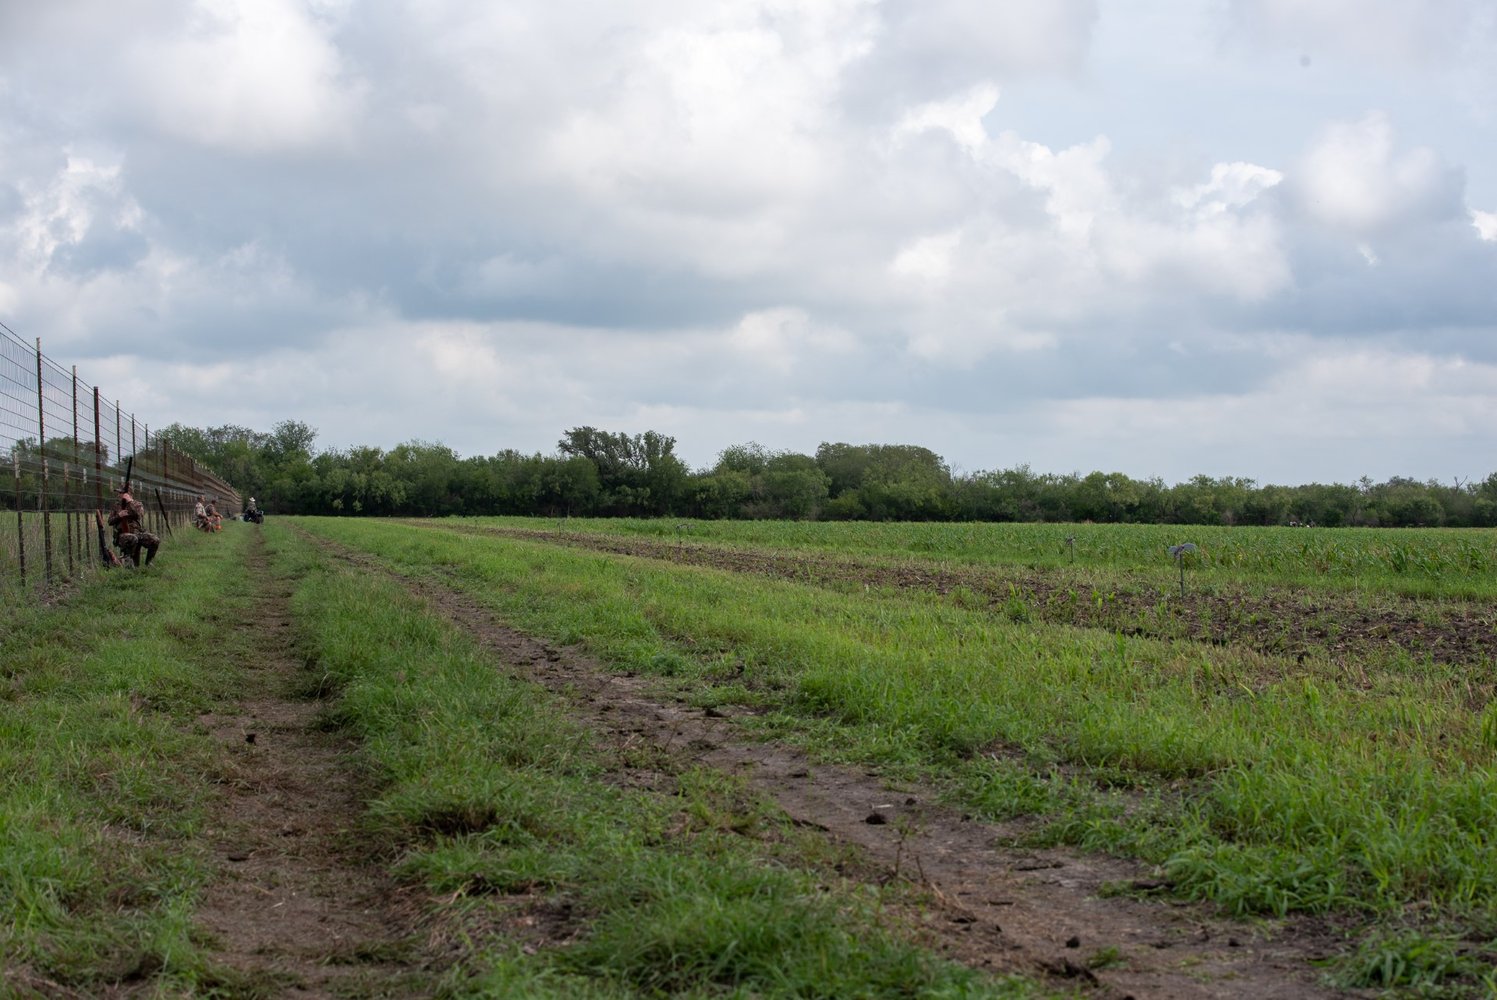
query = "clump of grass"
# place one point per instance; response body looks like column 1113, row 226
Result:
column 1413, row 960
column 1001, row 789
column 687, row 923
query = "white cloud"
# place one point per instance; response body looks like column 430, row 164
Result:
column 934, row 338
column 785, row 339
column 246, row 75
column 927, row 261
column 1098, row 240
column 1485, row 224
column 1352, row 179
column 1232, row 186
column 959, row 115
column 1077, row 185
column 84, row 196
column 461, row 355
column 1380, row 408
column 705, row 118
column 930, row 48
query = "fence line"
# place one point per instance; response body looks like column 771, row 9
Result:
column 64, row 449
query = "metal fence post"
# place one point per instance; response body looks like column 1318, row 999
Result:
column 41, row 490
column 15, row 458
column 98, row 463
column 67, row 478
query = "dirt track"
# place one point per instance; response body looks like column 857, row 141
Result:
column 298, row 908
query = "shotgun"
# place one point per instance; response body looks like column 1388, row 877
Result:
column 161, row 506
column 106, row 554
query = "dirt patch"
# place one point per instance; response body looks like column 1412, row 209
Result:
column 1040, row 912
column 298, row 907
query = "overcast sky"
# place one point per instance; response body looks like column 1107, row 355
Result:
column 1160, row 237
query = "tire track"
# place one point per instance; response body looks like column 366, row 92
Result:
column 300, row 907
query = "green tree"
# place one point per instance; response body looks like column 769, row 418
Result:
column 1108, row 496
column 569, row 486
column 429, row 474
column 793, row 486
column 751, row 459
column 893, row 481
column 719, row 494
column 637, row 474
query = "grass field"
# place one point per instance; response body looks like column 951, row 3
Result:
column 1455, row 562
column 483, row 798
column 103, row 779
column 1343, row 783
column 1357, row 787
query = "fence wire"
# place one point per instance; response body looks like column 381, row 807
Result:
column 65, row 447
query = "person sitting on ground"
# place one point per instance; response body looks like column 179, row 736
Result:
column 130, row 535
column 215, row 519
column 200, row 513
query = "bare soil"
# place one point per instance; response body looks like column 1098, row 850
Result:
column 299, row 907
column 1043, row 913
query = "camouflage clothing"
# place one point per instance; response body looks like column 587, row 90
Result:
column 130, row 535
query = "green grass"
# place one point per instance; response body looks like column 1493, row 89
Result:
column 494, row 801
column 1432, row 562
column 103, row 782
column 1364, row 789
column 485, row 795
column 1269, row 786
column 74, row 552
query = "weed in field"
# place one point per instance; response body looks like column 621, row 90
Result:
column 739, row 928
column 999, row 789
column 1105, row 958
column 966, row 598
column 1412, row 960
column 1489, row 726
column 1016, row 609
column 1449, row 562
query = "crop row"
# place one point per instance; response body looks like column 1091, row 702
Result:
column 1437, row 561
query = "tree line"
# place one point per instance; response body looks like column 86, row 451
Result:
column 601, row 473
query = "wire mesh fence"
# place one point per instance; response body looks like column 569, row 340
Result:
column 65, row 447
